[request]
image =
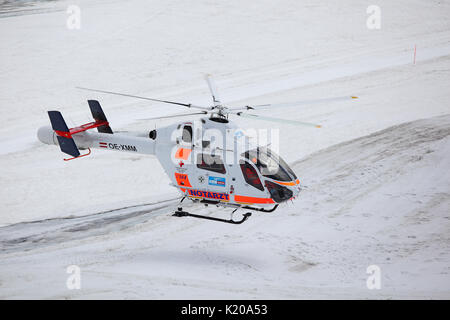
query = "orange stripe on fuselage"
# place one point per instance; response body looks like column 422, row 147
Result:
column 290, row 183
column 252, row 200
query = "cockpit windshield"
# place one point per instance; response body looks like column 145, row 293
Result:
column 270, row 164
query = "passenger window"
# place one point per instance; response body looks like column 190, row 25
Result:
column 250, row 175
column 210, row 163
column 187, row 134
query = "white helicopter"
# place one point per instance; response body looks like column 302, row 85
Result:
column 210, row 160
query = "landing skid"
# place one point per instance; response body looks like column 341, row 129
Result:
column 261, row 209
column 181, row 213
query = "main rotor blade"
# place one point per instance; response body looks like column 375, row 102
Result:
column 213, row 89
column 295, row 103
column 176, row 115
column 146, row 98
column 285, row 121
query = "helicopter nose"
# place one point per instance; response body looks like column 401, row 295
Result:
column 279, row 193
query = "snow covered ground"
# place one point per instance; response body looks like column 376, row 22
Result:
column 377, row 173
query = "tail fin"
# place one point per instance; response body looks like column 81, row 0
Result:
column 66, row 143
column 99, row 115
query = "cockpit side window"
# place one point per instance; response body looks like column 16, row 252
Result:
column 250, row 175
column 211, row 163
column 270, row 165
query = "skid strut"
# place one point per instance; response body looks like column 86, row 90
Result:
column 181, row 213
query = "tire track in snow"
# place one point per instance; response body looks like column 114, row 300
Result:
column 26, row 236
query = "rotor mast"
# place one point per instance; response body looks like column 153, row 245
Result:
column 218, row 109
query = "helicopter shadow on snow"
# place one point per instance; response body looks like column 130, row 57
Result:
column 201, row 257
column 26, row 236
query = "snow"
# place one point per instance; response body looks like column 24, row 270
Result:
column 377, row 173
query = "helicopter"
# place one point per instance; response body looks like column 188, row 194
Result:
column 210, row 160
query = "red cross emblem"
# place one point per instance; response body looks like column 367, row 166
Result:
column 181, row 163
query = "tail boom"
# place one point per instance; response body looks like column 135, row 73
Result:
column 96, row 140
